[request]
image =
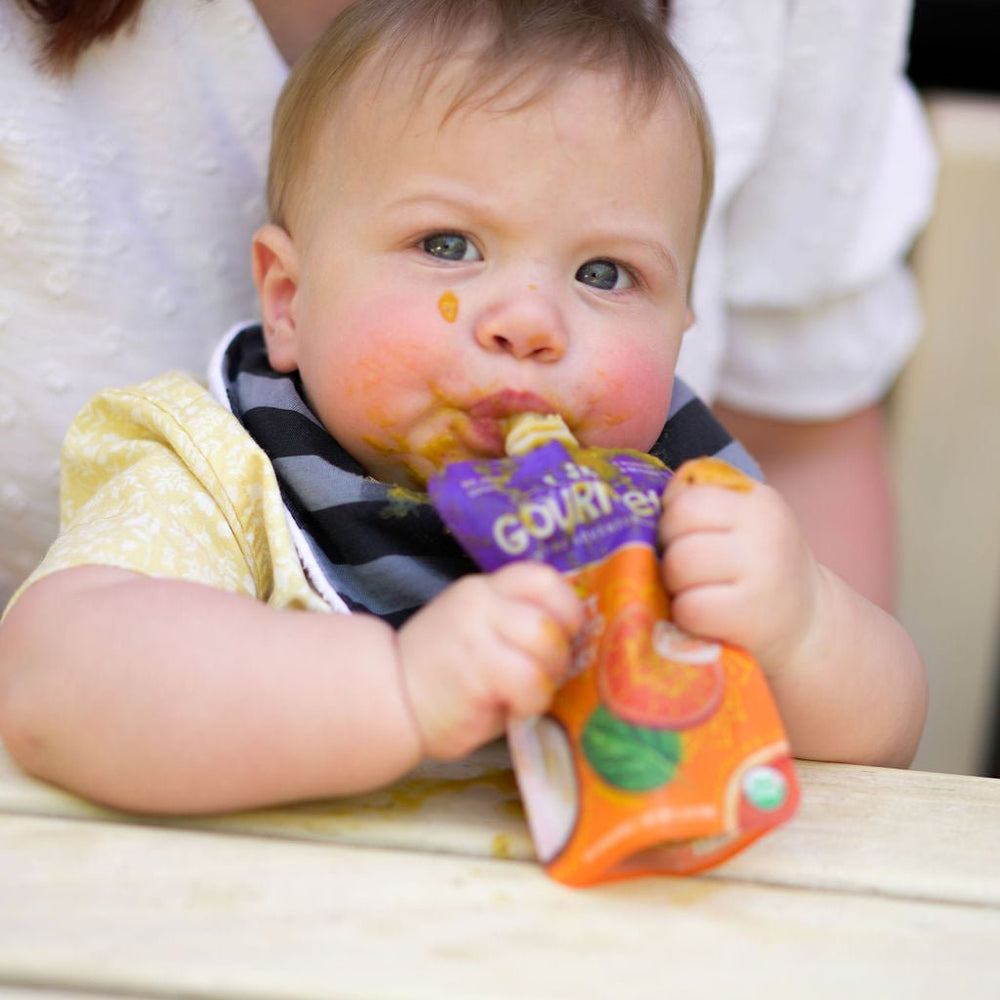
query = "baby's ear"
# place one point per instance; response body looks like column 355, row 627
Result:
column 689, row 318
column 276, row 274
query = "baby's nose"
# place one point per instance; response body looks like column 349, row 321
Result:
column 528, row 326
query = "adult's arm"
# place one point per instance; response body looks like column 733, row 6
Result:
column 821, row 308
column 833, row 475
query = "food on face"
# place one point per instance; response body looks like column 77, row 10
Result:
column 448, row 306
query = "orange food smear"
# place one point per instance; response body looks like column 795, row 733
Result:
column 448, row 306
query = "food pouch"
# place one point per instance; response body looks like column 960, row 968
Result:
column 661, row 752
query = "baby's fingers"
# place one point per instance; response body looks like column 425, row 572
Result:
column 544, row 588
column 705, row 494
column 701, row 559
column 536, row 620
column 539, row 641
column 698, row 510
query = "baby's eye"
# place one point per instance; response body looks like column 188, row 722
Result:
column 604, row 274
column 450, row 246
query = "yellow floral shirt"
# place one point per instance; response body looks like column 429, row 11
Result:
column 159, row 478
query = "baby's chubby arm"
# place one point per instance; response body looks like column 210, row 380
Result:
column 160, row 695
column 847, row 678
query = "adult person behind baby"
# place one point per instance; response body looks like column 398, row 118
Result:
column 134, row 161
column 421, row 281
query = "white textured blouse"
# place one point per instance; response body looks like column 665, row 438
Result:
column 130, row 190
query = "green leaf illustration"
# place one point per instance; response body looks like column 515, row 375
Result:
column 630, row 757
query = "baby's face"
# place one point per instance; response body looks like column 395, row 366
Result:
column 453, row 272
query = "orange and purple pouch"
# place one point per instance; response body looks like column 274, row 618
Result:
column 661, row 752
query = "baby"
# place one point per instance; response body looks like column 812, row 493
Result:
column 477, row 210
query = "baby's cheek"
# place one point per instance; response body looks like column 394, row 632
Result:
column 384, row 362
column 631, row 404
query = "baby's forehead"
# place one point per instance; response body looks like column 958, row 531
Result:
column 428, row 77
column 471, row 76
column 392, row 100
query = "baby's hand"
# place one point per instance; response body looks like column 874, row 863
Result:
column 487, row 647
column 737, row 567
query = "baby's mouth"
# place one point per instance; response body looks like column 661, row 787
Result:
column 485, row 427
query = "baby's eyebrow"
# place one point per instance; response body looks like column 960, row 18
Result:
column 628, row 238
column 454, row 198
column 663, row 254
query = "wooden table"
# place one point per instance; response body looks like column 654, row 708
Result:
column 886, row 884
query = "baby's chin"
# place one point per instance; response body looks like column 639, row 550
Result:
column 416, row 471
column 398, row 462
column 415, row 467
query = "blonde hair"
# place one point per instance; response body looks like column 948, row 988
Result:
column 522, row 37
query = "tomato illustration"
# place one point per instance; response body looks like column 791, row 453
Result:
column 653, row 674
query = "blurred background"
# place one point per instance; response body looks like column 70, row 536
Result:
column 945, row 410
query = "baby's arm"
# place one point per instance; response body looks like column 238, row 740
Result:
column 847, row 678
column 168, row 696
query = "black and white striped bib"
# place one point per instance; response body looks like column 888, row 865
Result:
column 385, row 550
